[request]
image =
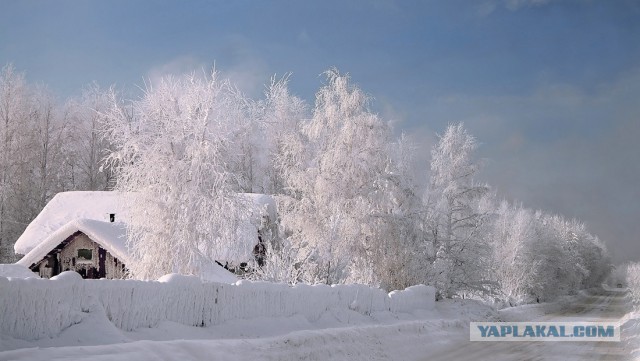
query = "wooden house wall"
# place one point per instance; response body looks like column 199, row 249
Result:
column 67, row 260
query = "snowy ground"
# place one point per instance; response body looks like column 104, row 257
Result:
column 605, row 305
column 438, row 334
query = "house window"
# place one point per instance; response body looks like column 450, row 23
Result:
column 84, row 254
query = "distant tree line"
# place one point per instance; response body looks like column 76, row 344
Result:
column 351, row 208
column 45, row 148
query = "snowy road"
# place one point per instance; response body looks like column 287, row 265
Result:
column 608, row 306
column 428, row 339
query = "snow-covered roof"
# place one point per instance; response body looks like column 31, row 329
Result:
column 71, row 206
column 88, row 212
column 110, row 236
column 66, row 207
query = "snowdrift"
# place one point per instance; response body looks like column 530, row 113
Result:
column 16, row 271
column 36, row 308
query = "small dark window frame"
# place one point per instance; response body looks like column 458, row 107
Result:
column 85, row 254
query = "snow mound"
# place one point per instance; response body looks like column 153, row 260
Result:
column 177, row 278
column 68, row 276
column 16, row 271
column 414, row 297
column 213, row 272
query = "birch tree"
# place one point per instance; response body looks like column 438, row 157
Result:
column 14, row 119
column 171, row 159
column 343, row 215
column 84, row 160
column 280, row 115
column 453, row 218
column 515, row 262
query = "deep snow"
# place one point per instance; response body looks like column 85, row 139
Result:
column 40, row 308
column 437, row 333
column 16, row 271
column 336, row 334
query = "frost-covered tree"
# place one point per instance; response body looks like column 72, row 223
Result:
column 537, row 256
column 280, row 114
column 514, row 261
column 345, row 217
column 83, row 163
column 550, row 255
column 459, row 252
column 261, row 133
column 348, row 203
column 51, row 144
column 597, row 260
column 565, row 250
column 14, row 114
column 172, row 159
column 399, row 255
column 32, row 146
column 332, row 181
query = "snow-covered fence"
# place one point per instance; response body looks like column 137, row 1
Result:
column 36, row 308
column 412, row 298
column 255, row 299
column 33, row 308
column 131, row 304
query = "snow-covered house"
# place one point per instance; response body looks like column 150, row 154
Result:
column 86, row 232
column 77, row 231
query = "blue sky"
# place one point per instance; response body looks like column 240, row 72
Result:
column 551, row 88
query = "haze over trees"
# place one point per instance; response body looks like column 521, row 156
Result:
column 45, row 148
column 350, row 208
